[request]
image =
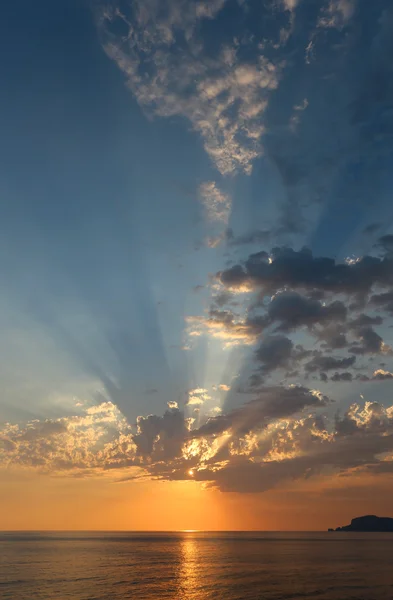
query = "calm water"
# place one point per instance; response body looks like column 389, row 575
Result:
column 203, row 566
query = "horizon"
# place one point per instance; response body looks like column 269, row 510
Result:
column 170, row 531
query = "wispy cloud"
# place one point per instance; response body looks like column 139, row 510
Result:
column 223, row 96
column 217, row 204
column 337, row 13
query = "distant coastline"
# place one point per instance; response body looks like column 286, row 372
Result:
column 368, row 523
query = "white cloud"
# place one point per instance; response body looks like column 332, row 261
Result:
column 224, row 387
column 337, row 13
column 223, row 97
column 197, row 396
column 98, row 439
column 290, row 4
column 192, row 400
column 217, row 204
column 232, row 332
column 172, row 404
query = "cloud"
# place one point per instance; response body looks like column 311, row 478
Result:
column 332, row 337
column 385, row 243
column 172, row 404
column 370, row 343
column 337, row 13
column 223, row 325
column 381, row 375
column 223, row 298
column 384, row 301
column 216, row 203
column 197, row 396
column 99, row 439
column 293, row 310
column 161, row 437
column 275, row 352
column 290, row 4
column 274, row 402
column 363, row 320
column 286, row 267
column 240, row 88
column 259, row 458
column 346, row 376
column 223, row 96
column 280, row 435
column 329, row 363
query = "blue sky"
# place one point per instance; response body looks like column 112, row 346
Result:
column 151, row 148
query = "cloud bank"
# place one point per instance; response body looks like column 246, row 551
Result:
column 283, row 433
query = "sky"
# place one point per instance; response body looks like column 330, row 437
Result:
column 196, row 263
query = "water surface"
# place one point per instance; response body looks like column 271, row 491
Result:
column 196, row 565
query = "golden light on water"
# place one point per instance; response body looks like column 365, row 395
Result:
column 189, row 573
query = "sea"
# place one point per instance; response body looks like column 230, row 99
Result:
column 194, row 565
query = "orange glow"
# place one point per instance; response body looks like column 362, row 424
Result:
column 29, row 501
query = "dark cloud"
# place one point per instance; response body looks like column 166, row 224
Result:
column 364, row 321
column 332, row 337
column 328, row 363
column 370, row 342
column 373, row 418
column 293, row 310
column 275, row 402
column 362, row 377
column 301, row 270
column 275, row 352
column 244, row 476
column 255, row 380
column 164, row 436
column 222, row 299
column 357, row 439
column 346, row 376
column 384, row 301
column 385, row 243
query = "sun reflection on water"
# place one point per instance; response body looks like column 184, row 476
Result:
column 189, row 570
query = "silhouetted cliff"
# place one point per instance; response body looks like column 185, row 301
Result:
column 368, row 523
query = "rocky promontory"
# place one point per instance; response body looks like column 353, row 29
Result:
column 369, row 523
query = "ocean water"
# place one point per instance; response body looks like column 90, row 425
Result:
column 196, row 566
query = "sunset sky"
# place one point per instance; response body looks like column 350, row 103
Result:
column 196, row 263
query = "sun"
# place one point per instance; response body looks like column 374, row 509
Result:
column 191, row 472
